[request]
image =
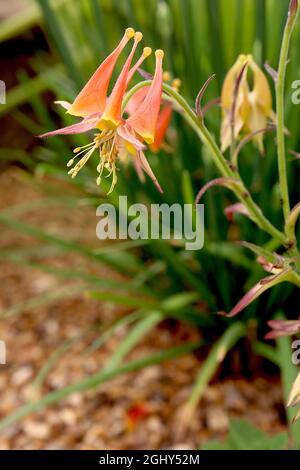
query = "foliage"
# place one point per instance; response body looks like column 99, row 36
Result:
column 244, row 436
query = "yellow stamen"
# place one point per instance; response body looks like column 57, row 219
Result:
column 77, row 150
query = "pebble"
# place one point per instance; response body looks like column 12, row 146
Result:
column 37, row 430
column 233, row 399
column 216, row 419
column 22, row 375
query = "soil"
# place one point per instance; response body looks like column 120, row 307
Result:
column 141, row 410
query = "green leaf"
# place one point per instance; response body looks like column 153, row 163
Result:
column 143, row 326
column 43, row 299
column 58, row 38
column 244, row 436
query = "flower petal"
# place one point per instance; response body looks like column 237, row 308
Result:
column 146, row 52
column 111, row 117
column 144, row 120
column 139, row 169
column 234, row 101
column 283, row 328
column 147, row 168
column 127, row 133
column 295, row 392
column 162, row 126
column 230, row 81
column 263, row 285
column 92, row 97
column 238, row 208
column 65, row 104
column 136, row 100
column 78, row 128
column 223, row 181
column 261, row 88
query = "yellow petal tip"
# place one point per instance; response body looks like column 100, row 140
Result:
column 147, row 51
column 129, row 32
column 159, row 53
column 138, row 36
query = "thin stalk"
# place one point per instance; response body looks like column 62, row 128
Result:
column 242, row 193
column 280, row 86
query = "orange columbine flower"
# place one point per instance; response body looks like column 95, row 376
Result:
column 252, row 107
column 118, row 136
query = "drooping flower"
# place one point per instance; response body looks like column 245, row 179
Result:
column 116, row 135
column 245, row 108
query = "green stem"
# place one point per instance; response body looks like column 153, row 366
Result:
column 290, row 226
column 219, row 159
column 243, row 195
column 280, row 86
